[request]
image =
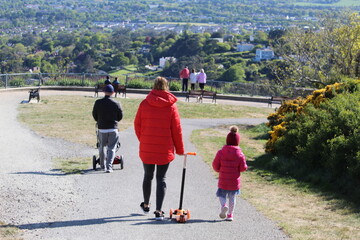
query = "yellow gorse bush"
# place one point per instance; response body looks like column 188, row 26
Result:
column 277, row 121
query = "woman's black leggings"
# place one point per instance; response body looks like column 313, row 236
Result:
column 160, row 183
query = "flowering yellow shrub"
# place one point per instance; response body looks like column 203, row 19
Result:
column 277, row 121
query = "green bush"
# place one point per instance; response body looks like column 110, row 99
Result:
column 323, row 143
column 175, row 86
column 17, row 82
column 140, row 84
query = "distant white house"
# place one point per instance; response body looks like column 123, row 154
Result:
column 221, row 40
column 163, row 60
column 264, row 54
column 244, row 47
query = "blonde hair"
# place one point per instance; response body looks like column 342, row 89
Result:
column 161, row 83
column 234, row 129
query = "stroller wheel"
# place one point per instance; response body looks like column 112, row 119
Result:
column 94, row 162
column 118, row 145
column 122, row 162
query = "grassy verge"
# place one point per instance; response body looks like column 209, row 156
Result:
column 8, row 232
column 69, row 117
column 302, row 211
column 72, row 165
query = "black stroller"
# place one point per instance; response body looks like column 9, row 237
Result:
column 117, row 160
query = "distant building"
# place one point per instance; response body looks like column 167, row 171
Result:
column 228, row 38
column 244, row 47
column 221, row 40
column 145, row 48
column 163, row 60
column 264, row 54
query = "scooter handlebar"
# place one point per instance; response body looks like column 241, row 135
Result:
column 191, row 153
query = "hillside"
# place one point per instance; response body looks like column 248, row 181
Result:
column 59, row 15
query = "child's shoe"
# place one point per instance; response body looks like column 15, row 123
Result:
column 229, row 217
column 223, row 212
column 159, row 215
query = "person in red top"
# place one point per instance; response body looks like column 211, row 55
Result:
column 184, row 75
column 229, row 162
column 158, row 129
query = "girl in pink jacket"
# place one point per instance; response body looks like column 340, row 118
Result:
column 229, row 162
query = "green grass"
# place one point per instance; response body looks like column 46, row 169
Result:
column 129, row 69
column 72, row 165
column 60, row 117
column 8, row 232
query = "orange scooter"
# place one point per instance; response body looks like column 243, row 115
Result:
column 181, row 215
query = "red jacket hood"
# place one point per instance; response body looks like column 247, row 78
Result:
column 160, row 98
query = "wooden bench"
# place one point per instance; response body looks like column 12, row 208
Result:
column 200, row 95
column 278, row 99
column 118, row 89
column 34, row 93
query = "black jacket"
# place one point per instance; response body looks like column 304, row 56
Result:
column 107, row 113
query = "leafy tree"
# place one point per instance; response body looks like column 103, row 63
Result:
column 47, row 67
column 318, row 58
column 119, row 60
column 121, row 39
column 222, row 47
column 187, row 45
column 29, row 39
column 235, row 73
column 32, row 61
column 84, row 63
column 46, row 45
column 218, row 34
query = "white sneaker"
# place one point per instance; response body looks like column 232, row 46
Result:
column 109, row 171
column 223, row 212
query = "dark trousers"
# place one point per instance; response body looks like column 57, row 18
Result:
column 202, row 85
column 160, row 183
column 185, row 84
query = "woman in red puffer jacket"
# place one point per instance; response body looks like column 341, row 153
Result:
column 158, row 129
column 229, row 162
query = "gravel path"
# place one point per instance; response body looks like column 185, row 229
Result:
column 46, row 204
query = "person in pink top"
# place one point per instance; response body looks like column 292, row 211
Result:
column 184, row 75
column 229, row 162
column 201, row 79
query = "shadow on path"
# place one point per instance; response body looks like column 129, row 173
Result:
column 97, row 221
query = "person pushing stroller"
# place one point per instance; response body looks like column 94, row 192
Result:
column 107, row 113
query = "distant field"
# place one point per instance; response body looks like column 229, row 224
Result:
column 342, row 3
column 121, row 73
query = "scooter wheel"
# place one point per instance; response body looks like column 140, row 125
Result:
column 94, row 162
column 122, row 162
column 171, row 213
column 188, row 214
column 182, row 219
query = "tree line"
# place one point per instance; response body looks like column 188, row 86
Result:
column 307, row 57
